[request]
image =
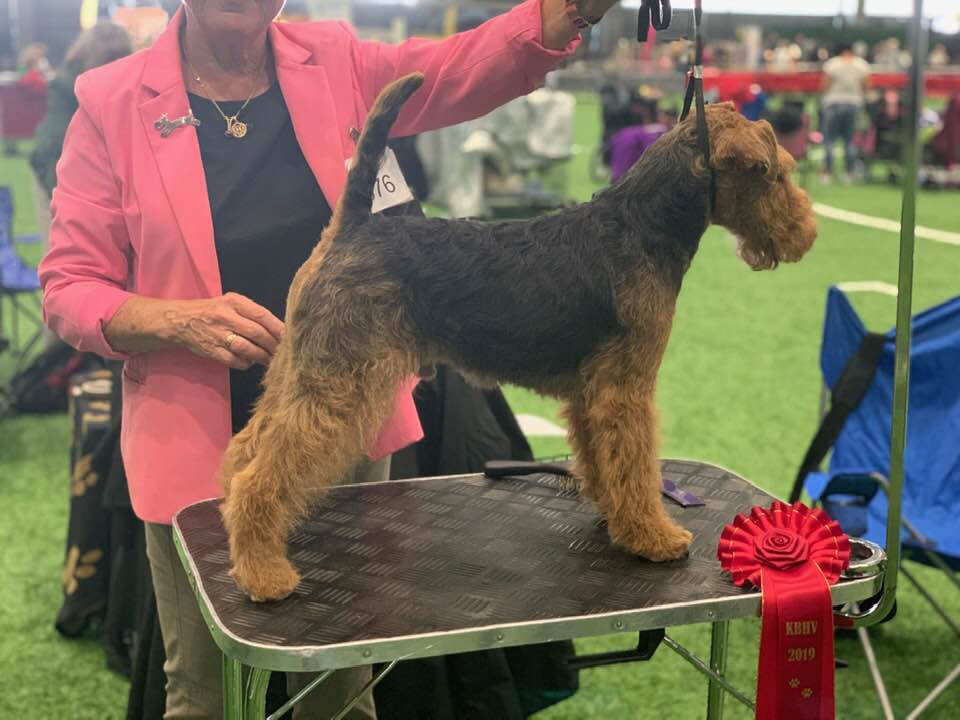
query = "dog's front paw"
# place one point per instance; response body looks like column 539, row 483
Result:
column 654, row 541
column 265, row 582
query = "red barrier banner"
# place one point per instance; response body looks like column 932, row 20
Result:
column 730, row 84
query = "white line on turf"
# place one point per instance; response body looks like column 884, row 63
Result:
column 834, row 213
column 877, row 286
column 535, row 426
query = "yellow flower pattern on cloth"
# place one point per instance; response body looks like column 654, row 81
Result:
column 79, row 567
column 84, row 476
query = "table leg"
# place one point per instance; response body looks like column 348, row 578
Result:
column 718, row 663
column 256, row 697
column 371, row 684
column 232, row 689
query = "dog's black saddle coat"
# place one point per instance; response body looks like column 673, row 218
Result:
column 532, row 299
column 507, row 299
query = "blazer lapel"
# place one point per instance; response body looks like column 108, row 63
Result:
column 313, row 109
column 309, row 100
column 178, row 155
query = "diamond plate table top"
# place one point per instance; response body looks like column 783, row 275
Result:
column 430, row 566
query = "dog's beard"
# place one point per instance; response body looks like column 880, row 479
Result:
column 758, row 254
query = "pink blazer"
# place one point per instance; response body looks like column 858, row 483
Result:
column 130, row 212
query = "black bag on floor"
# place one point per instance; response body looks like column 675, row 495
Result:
column 41, row 387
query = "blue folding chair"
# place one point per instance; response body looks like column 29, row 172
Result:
column 6, row 213
column 858, row 368
column 17, row 280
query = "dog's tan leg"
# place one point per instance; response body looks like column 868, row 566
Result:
column 627, row 472
column 307, row 432
column 259, row 510
column 584, row 464
column 620, row 429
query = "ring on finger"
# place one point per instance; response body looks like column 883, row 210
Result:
column 229, row 340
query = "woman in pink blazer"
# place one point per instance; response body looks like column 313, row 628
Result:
column 195, row 177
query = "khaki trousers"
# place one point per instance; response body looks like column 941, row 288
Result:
column 193, row 665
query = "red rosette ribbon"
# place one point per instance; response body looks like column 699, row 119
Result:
column 793, row 553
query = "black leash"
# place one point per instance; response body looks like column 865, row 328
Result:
column 653, row 12
column 695, row 91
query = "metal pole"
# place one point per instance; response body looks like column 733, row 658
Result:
column 719, row 635
column 702, row 667
column 232, row 689
column 256, row 696
column 279, row 712
column 901, row 377
column 878, row 683
column 935, row 693
column 371, row 684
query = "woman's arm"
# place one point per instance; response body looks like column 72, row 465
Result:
column 471, row 73
column 84, row 273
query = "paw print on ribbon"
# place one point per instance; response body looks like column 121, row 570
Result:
column 79, row 567
column 84, row 476
column 794, row 683
column 806, row 692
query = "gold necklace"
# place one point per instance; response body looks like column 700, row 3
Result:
column 235, row 128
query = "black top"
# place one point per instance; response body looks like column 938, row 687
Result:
column 268, row 211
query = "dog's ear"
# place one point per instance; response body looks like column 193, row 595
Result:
column 744, row 146
column 786, row 162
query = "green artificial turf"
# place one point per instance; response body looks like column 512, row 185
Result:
column 42, row 675
column 739, row 387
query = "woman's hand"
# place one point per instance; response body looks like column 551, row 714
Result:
column 558, row 27
column 231, row 329
column 593, row 10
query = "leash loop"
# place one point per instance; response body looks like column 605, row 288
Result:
column 655, row 13
column 695, row 92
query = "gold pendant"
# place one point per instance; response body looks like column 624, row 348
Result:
column 235, row 128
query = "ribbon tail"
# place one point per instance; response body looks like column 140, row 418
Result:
column 795, row 678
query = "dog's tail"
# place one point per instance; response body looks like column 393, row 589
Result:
column 354, row 206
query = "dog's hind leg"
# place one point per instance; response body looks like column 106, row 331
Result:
column 319, row 414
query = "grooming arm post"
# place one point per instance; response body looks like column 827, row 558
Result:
column 901, row 379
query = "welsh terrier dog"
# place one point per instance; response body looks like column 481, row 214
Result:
column 577, row 305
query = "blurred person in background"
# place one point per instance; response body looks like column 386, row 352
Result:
column 34, row 66
column 29, row 91
column 939, row 56
column 846, row 79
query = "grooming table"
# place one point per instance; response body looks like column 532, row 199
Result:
column 432, row 566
